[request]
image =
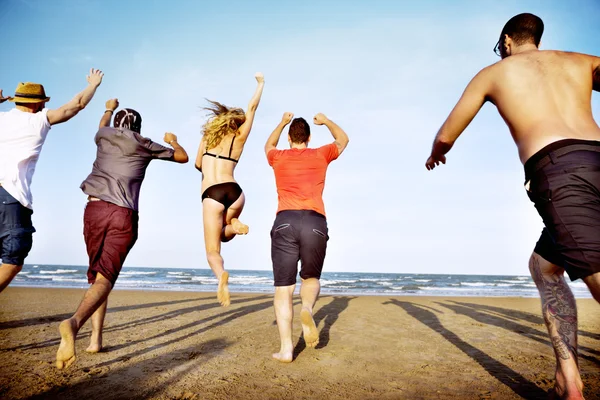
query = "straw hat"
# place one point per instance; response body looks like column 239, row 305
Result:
column 29, row 92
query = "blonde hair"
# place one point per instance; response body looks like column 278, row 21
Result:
column 222, row 122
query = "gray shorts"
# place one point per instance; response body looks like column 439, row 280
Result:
column 298, row 235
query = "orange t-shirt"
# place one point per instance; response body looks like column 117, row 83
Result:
column 300, row 176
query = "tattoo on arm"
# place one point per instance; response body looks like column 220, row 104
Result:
column 559, row 310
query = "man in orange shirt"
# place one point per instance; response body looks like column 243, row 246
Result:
column 300, row 229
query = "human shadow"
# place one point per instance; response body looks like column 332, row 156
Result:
column 512, row 326
column 329, row 314
column 504, row 374
column 181, row 361
column 229, row 316
column 60, row 317
column 517, row 314
column 136, row 323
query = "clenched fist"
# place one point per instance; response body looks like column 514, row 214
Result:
column 260, row 78
column 112, row 104
column 287, row 118
column 319, row 119
column 170, row 137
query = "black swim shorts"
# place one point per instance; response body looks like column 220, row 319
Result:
column 298, row 235
column 16, row 229
column 563, row 181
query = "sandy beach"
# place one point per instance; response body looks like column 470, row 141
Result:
column 176, row 345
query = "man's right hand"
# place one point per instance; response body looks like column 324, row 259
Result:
column 2, row 98
column 287, row 118
column 112, row 104
column 95, row 77
column 320, row 119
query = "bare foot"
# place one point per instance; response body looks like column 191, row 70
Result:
column 65, row 356
column 238, row 227
column 223, row 289
column 311, row 334
column 95, row 344
column 283, row 357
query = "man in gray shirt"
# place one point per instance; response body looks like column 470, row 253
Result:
column 110, row 220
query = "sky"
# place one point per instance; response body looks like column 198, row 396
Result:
column 388, row 72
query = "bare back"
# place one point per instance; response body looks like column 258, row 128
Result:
column 218, row 169
column 544, row 96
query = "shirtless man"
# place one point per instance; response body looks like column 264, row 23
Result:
column 545, row 99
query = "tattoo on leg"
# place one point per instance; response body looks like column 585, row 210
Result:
column 559, row 310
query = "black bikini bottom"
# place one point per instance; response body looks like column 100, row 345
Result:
column 225, row 193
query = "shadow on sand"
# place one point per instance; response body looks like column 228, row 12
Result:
column 144, row 321
column 506, row 320
column 329, row 314
column 139, row 379
column 516, row 382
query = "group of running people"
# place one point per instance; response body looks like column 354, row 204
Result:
column 543, row 96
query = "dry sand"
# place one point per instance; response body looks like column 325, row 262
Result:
column 184, row 345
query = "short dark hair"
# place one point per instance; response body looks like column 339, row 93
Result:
column 299, row 130
column 524, row 28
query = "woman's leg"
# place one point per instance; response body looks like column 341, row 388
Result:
column 232, row 225
column 212, row 213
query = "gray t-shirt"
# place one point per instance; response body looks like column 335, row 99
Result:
column 120, row 166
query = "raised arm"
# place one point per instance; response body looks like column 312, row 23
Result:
column 252, row 106
column 339, row 136
column 473, row 98
column 111, row 106
column 79, row 102
column 274, row 137
column 2, row 98
column 180, row 156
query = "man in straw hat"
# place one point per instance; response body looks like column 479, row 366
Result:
column 544, row 98
column 110, row 221
column 23, row 131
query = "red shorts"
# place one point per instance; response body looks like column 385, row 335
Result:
column 110, row 232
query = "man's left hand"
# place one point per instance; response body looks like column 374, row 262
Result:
column 170, row 137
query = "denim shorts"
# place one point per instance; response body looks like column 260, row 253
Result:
column 16, row 229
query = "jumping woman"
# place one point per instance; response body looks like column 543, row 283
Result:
column 222, row 144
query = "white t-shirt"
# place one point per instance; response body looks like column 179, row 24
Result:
column 22, row 135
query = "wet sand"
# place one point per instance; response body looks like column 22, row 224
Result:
column 173, row 345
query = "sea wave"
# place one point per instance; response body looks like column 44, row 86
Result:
column 476, row 284
column 59, row 271
column 138, row 273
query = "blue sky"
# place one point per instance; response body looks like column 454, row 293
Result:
column 388, row 72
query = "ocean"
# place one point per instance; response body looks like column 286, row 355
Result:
column 349, row 283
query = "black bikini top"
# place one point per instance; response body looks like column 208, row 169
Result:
column 206, row 153
column 228, row 158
